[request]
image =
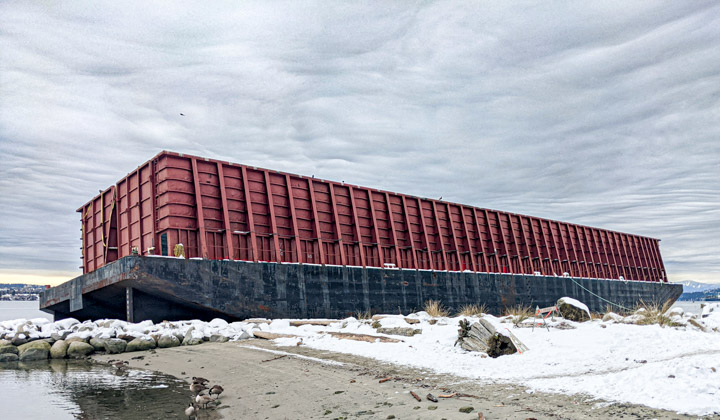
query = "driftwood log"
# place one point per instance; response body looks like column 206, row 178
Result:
column 483, row 336
column 320, row 322
column 363, row 337
column 271, row 336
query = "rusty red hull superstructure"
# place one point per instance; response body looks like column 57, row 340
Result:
column 223, row 210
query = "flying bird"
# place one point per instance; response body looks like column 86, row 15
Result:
column 182, row 114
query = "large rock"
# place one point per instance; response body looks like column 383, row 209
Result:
column 76, row 340
column 4, row 342
column 168, row 340
column 573, row 310
column 140, row 344
column 60, row 335
column 59, row 349
column 114, row 345
column 98, row 344
column 19, row 339
column 78, row 349
column 8, row 348
column 8, row 357
column 218, row 338
column 36, row 350
column 613, row 317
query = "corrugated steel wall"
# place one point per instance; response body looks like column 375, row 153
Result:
column 221, row 210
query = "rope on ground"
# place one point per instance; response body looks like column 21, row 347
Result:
column 600, row 297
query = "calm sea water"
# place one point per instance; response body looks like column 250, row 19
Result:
column 21, row 309
column 69, row 389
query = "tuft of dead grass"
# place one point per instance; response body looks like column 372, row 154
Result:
column 472, row 310
column 435, row 308
column 519, row 313
column 363, row 315
column 654, row 313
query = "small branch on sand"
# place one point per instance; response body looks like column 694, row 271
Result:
column 385, row 379
column 271, row 336
column 274, row 358
column 416, row 396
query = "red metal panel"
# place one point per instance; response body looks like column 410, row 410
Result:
column 199, row 210
column 439, row 236
column 421, row 216
column 358, row 236
column 621, row 250
column 513, row 225
column 454, row 247
column 338, row 229
column 316, row 223
column 537, row 258
column 493, row 242
column 469, row 243
column 411, row 234
column 226, row 214
column 391, row 222
column 294, row 221
column 482, row 242
column 248, row 208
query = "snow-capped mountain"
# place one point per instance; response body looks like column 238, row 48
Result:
column 693, row 290
column 690, row 286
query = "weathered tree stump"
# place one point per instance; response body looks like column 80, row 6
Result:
column 485, row 337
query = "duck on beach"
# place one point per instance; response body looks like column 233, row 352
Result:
column 197, row 388
column 199, row 380
column 191, row 411
column 203, row 400
column 216, row 390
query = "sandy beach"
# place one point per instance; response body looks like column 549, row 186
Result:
column 265, row 381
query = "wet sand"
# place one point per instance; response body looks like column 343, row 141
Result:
column 261, row 382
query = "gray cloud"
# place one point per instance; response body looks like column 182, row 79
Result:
column 601, row 113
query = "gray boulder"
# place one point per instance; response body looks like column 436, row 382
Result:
column 217, row 338
column 78, row 349
column 59, row 349
column 76, row 339
column 98, row 344
column 4, row 342
column 8, row 348
column 60, row 335
column 244, row 336
column 127, row 337
column 168, row 340
column 36, row 350
column 19, row 339
column 114, row 345
column 140, row 344
column 573, row 310
column 8, row 357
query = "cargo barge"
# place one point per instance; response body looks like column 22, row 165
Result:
column 184, row 236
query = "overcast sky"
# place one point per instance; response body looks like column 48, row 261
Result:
column 605, row 114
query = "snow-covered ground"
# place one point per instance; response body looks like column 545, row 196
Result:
column 674, row 368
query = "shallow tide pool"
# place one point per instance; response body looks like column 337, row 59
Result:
column 66, row 389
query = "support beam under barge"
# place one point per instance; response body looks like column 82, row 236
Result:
column 137, row 288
